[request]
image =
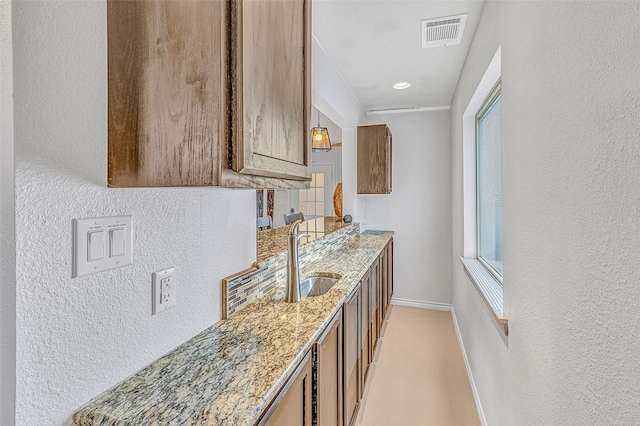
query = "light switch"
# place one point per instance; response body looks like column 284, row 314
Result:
column 95, row 245
column 101, row 243
column 116, row 242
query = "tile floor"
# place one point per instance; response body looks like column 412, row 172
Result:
column 418, row 377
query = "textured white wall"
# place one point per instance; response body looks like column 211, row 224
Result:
column 350, row 204
column 419, row 207
column 7, row 251
column 78, row 337
column 571, row 198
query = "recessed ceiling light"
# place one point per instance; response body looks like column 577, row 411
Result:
column 401, row 85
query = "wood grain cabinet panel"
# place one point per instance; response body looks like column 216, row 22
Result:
column 374, row 159
column 329, row 352
column 166, row 94
column 389, row 283
column 382, row 260
column 352, row 350
column 365, row 330
column 381, row 300
column 294, row 404
column 374, row 309
column 209, row 93
column 271, row 92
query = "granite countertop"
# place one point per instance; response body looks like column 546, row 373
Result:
column 272, row 242
column 229, row 373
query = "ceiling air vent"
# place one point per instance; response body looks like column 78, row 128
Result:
column 441, row 32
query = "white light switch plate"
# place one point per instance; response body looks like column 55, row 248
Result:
column 92, row 239
column 163, row 290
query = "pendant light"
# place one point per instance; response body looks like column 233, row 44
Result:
column 320, row 138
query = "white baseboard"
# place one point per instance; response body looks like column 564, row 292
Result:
column 474, row 390
column 435, row 306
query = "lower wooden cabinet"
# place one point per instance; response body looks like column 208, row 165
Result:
column 377, row 289
column 389, row 277
column 328, row 408
column 385, row 280
column 365, row 320
column 382, row 260
column 292, row 406
column 329, row 394
column 374, row 309
column 352, row 350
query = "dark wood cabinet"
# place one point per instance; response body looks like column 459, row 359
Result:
column 377, row 289
column 209, row 93
column 385, row 261
column 374, row 303
column 293, row 405
column 370, row 324
column 271, row 88
column 329, row 389
column 374, row 159
column 351, row 370
column 382, row 260
column 166, row 100
column 365, row 329
column 389, row 280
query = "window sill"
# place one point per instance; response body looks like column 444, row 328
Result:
column 489, row 288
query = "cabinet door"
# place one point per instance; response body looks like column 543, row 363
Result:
column 364, row 330
column 374, row 159
column 271, row 65
column 389, row 271
column 329, row 375
column 351, row 311
column 293, row 405
column 389, row 159
column 373, row 309
column 383, row 282
column 380, row 294
column 167, row 91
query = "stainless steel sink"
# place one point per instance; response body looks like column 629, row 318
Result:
column 316, row 286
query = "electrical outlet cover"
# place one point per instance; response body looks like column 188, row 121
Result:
column 163, row 290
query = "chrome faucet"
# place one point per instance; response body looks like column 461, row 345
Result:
column 293, row 271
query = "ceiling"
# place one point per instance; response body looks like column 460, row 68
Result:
column 374, row 44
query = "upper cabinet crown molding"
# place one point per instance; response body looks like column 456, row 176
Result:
column 209, row 93
column 374, row 159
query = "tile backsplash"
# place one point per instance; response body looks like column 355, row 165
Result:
column 241, row 289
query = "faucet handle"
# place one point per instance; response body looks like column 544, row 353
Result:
column 293, row 227
column 302, row 236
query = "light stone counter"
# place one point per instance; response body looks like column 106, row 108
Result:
column 229, row 373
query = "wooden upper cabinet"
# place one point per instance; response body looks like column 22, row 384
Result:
column 166, row 93
column 271, row 93
column 209, row 93
column 374, row 159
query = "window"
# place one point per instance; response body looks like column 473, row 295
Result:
column 489, row 182
column 482, row 190
column 312, row 199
